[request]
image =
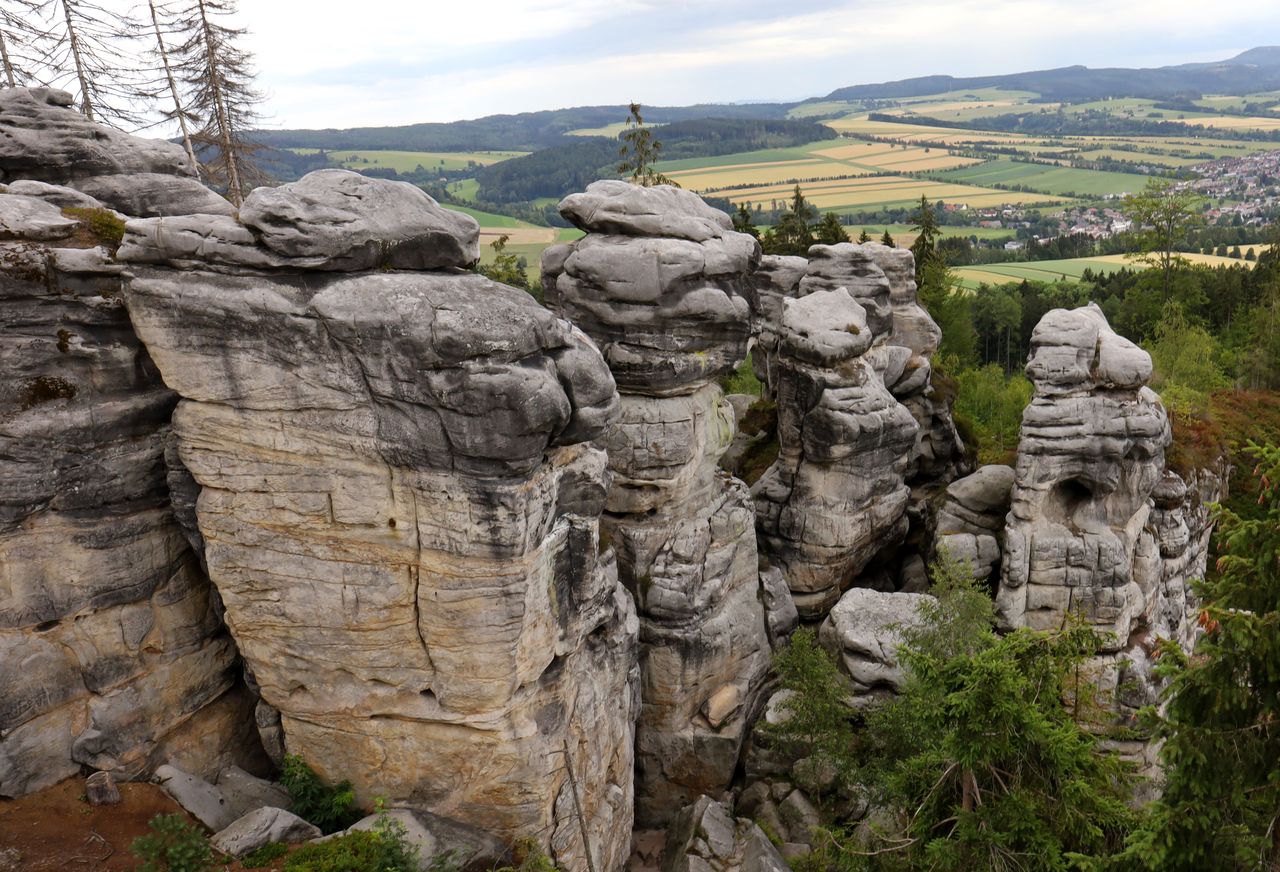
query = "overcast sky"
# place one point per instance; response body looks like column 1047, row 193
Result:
column 376, row 62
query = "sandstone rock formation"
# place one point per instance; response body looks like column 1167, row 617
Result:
column 1099, row 528
column 114, row 655
column 1090, row 456
column 660, row 282
column 853, row 474
column 399, row 509
column 836, row 494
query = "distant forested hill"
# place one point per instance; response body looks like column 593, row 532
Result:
column 1255, row 70
column 528, row 131
column 561, row 169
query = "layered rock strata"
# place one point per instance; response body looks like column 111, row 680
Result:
column 115, row 656
column 661, row 283
column 399, row 506
column 1099, row 530
column 836, row 495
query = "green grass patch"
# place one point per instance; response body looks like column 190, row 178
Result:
column 1062, row 181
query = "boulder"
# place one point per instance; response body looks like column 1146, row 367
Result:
column 704, row 836
column 437, row 838
column 610, row 206
column 970, row 524
column 864, row 631
column 245, row 792
column 260, row 827
column 199, row 798
column 100, row 789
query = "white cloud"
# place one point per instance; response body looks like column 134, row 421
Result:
column 330, row 64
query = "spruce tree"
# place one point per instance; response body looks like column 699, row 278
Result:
column 793, row 234
column 886, row 239
column 1220, row 809
column 829, row 231
column 88, row 49
column 21, row 41
column 864, row 236
column 178, row 113
column 742, row 221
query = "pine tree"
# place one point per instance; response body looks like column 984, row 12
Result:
column 888, row 240
column 829, row 231
column 1220, row 810
column 864, row 237
column 217, row 76
column 640, row 150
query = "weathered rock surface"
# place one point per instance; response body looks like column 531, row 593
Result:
column 661, row 284
column 202, row 800
column 260, row 827
column 330, row 220
column 704, row 837
column 54, row 195
column 114, row 657
column 836, row 494
column 148, row 195
column 400, row 515
column 970, row 524
column 43, row 137
column 31, row 219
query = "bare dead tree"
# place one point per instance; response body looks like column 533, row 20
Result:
column 90, row 47
column 179, row 113
column 22, row 33
column 218, row 78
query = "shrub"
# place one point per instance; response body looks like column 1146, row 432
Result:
column 264, row 855
column 173, row 845
column 330, row 808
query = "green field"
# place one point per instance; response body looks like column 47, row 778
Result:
column 408, row 161
column 1072, row 269
column 1065, row 181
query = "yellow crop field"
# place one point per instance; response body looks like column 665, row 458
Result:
column 882, row 156
column 719, row 178
column 858, row 193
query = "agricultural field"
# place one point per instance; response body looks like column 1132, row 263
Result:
column 1072, row 269
column 881, row 192
column 1065, row 181
column 408, row 161
column 610, row 130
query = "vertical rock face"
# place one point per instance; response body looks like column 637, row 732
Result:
column 661, row 283
column 400, row 511
column 836, row 494
column 113, row 650
column 858, row 416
